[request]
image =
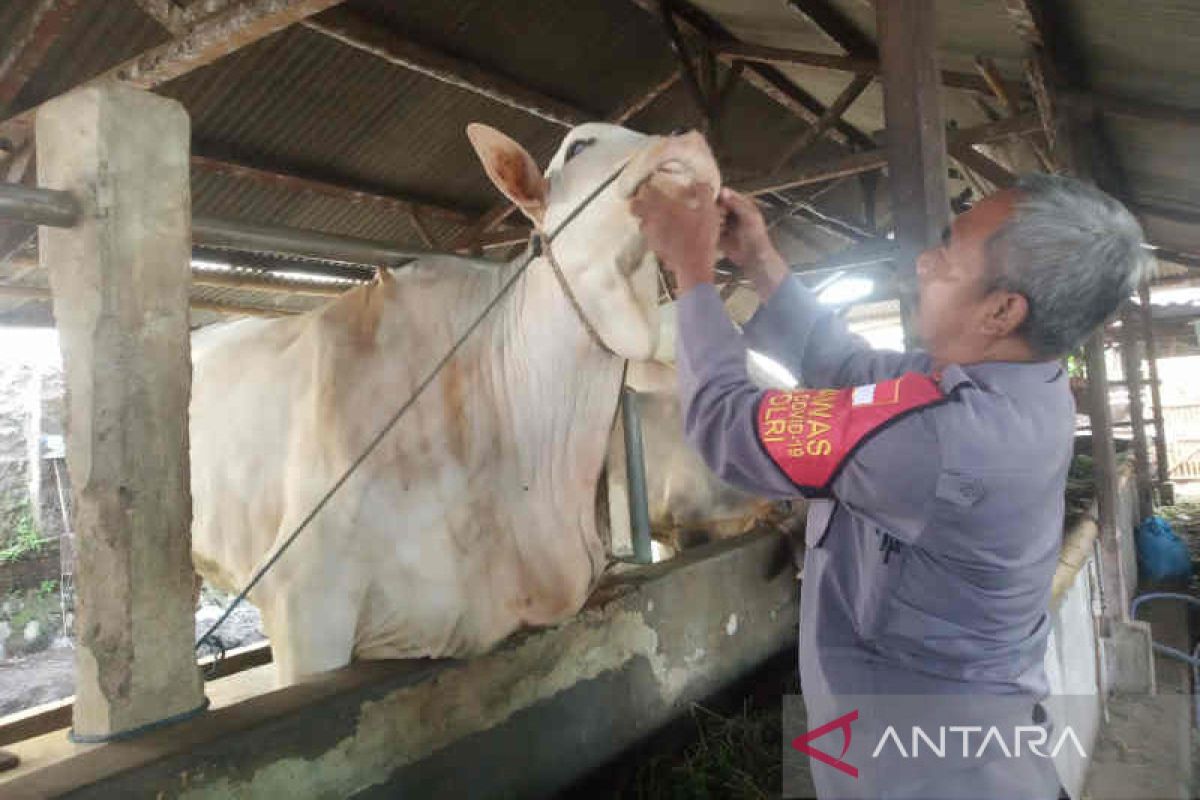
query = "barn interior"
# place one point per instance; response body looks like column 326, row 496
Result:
column 327, row 140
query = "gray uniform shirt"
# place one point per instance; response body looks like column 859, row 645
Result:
column 929, row 570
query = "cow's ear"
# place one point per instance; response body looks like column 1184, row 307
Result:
column 513, row 170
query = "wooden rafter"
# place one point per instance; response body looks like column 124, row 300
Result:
column 876, row 158
column 766, row 78
column 43, row 24
column 293, row 180
column 831, row 21
column 830, row 118
column 784, row 56
column 687, row 64
column 356, row 30
column 225, row 32
column 990, row 170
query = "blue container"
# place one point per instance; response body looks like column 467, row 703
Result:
column 1161, row 554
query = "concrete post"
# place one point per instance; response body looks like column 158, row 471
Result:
column 120, row 280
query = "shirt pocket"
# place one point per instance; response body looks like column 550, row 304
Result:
column 883, row 569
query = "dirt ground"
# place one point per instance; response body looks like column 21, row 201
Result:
column 36, row 678
column 49, row 675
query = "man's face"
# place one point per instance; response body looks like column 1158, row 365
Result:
column 953, row 282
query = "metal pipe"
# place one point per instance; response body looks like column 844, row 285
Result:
column 234, row 235
column 37, row 206
column 635, row 471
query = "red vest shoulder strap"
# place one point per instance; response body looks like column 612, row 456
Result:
column 811, row 433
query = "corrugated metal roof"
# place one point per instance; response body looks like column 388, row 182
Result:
column 334, row 113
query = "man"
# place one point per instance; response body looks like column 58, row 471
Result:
column 940, row 473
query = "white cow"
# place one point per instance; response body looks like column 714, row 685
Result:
column 477, row 514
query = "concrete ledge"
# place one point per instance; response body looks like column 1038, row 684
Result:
column 525, row 719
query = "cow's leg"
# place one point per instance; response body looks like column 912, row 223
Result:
column 311, row 627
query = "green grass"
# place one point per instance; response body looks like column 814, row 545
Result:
column 24, row 540
column 735, row 757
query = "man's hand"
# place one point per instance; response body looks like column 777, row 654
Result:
column 745, row 242
column 682, row 229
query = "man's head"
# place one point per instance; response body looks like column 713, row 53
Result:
column 1027, row 273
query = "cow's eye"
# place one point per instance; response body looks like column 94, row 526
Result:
column 577, row 147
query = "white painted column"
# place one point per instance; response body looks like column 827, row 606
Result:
column 120, row 280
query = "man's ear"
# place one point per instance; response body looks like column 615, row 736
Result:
column 512, row 170
column 1006, row 312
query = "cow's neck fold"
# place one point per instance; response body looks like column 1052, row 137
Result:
column 563, row 389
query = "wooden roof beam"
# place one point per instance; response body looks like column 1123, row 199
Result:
column 766, row 78
column 45, row 21
column 225, row 32
column 876, row 159
column 356, row 30
column 784, row 56
column 830, row 20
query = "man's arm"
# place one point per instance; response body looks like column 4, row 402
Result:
column 791, row 326
column 795, row 329
column 889, row 479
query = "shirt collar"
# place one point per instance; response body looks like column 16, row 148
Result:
column 1003, row 376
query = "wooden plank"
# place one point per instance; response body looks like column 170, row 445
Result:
column 1146, row 316
column 356, row 30
column 1131, row 365
column 916, row 139
column 54, row 716
column 44, row 22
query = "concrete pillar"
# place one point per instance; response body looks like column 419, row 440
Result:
column 120, row 281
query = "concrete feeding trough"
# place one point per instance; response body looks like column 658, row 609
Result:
column 526, row 719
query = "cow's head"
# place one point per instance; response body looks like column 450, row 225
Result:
column 601, row 251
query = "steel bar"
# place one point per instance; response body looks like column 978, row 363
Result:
column 265, row 283
column 38, row 293
column 635, row 470
column 243, row 236
column 37, row 206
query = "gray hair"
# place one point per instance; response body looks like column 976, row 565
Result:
column 1073, row 252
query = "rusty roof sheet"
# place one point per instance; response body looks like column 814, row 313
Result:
column 303, row 102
